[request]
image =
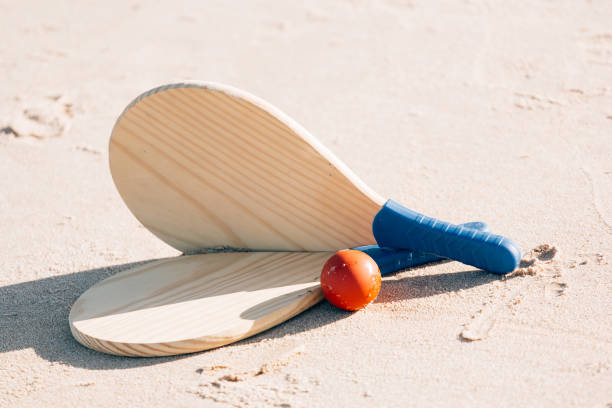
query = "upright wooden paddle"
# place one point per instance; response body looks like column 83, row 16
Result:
column 204, row 165
column 197, row 302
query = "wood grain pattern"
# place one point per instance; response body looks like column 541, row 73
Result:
column 204, row 165
column 197, row 302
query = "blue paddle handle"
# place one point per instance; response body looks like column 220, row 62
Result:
column 392, row 260
column 398, row 227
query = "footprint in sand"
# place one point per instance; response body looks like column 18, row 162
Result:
column 528, row 101
column 535, row 262
column 41, row 118
column 598, row 49
column 554, row 289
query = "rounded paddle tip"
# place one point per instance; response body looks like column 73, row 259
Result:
column 350, row 279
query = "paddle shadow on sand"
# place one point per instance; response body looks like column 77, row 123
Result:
column 35, row 314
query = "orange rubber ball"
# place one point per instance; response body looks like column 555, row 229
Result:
column 350, row 279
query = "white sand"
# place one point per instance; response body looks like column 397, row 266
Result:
column 472, row 111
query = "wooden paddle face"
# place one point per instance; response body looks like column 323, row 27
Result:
column 204, row 165
column 193, row 303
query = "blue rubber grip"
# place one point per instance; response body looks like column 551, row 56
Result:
column 392, row 260
column 398, row 227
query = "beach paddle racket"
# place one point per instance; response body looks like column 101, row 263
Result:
column 205, row 165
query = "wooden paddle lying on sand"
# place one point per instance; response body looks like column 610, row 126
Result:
column 204, row 166
column 197, row 302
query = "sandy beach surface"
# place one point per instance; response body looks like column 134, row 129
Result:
column 466, row 110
